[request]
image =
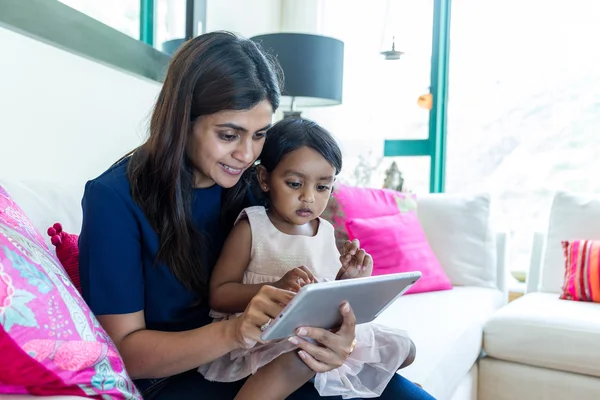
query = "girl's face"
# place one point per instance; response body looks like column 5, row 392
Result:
column 300, row 186
column 223, row 145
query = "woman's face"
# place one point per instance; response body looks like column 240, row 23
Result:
column 223, row 145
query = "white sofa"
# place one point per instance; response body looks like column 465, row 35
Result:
column 541, row 347
column 446, row 326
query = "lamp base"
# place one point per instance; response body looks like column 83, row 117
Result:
column 292, row 114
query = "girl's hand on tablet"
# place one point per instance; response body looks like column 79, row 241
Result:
column 294, row 279
column 356, row 262
column 332, row 348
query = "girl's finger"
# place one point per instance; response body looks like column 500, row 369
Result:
column 341, row 272
column 309, row 275
column 360, row 258
column 347, row 247
column 368, row 263
column 355, row 246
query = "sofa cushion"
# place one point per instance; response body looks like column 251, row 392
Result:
column 446, row 327
column 46, row 328
column 459, row 230
column 46, row 203
column 502, row 380
column 582, row 270
column 572, row 217
column 542, row 330
column 397, row 244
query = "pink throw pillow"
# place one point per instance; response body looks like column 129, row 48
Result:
column 51, row 343
column 397, row 244
column 357, row 202
column 582, row 271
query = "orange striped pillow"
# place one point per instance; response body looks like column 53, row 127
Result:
column 582, row 271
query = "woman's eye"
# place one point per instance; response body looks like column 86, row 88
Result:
column 294, row 185
column 227, row 136
column 260, row 135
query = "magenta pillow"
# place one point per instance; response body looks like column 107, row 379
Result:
column 397, row 244
column 50, row 342
column 386, row 223
column 357, row 202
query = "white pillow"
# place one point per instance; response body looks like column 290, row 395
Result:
column 572, row 216
column 460, row 234
column 45, row 203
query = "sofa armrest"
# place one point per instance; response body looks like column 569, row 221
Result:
column 535, row 264
column 502, row 250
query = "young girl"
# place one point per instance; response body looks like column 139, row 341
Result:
column 288, row 245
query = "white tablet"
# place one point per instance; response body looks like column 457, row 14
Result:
column 318, row 305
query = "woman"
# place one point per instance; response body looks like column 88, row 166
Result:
column 154, row 223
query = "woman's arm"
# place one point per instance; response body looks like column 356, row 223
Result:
column 156, row 354
column 227, row 293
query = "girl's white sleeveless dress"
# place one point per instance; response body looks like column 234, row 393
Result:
column 379, row 351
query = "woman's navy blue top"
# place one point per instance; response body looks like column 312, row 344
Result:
column 117, row 256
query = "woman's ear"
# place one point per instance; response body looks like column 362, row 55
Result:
column 263, row 178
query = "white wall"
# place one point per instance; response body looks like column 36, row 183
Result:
column 65, row 118
column 244, row 17
column 305, row 16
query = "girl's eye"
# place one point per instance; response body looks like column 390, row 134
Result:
column 323, row 188
column 227, row 136
column 260, row 135
column 294, row 185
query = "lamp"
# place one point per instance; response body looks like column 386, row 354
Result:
column 313, row 68
column 392, row 54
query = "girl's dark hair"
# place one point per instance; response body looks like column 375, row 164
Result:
column 293, row 133
column 213, row 72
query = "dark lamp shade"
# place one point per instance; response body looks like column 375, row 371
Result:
column 313, row 67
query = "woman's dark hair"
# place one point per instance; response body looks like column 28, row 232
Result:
column 293, row 133
column 213, row 72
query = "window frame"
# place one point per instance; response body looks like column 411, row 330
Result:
column 435, row 144
column 61, row 26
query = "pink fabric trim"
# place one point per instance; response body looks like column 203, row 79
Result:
column 26, row 375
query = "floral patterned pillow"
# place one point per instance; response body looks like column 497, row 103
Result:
column 51, row 343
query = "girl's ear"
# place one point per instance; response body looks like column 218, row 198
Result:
column 263, row 178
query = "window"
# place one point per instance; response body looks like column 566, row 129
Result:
column 380, row 96
column 122, row 15
column 169, row 21
column 524, row 107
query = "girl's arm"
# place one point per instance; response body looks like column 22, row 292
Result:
column 227, row 293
